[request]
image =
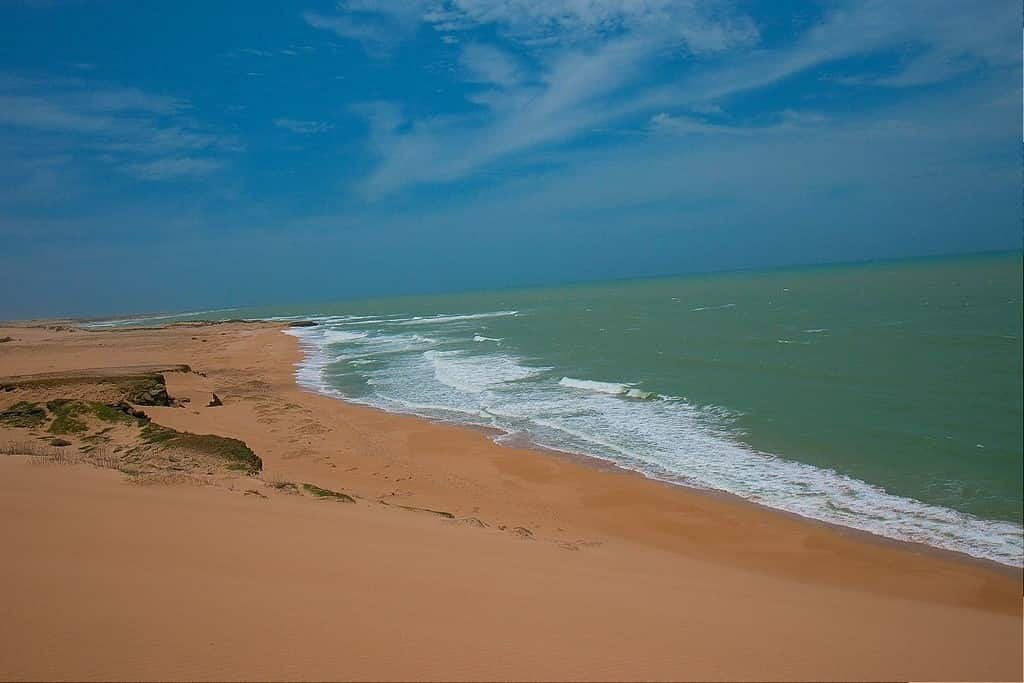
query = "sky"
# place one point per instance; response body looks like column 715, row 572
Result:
column 159, row 156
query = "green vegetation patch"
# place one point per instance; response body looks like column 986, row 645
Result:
column 67, row 414
column 238, row 456
column 65, row 417
column 327, row 494
column 23, row 414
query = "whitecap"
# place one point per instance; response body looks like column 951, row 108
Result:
column 449, row 318
column 612, row 388
column 712, row 308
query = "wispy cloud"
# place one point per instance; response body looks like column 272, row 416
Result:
column 487, row 64
column 589, row 65
column 174, row 169
column 303, row 127
column 787, row 120
column 378, row 25
column 700, row 25
column 145, row 135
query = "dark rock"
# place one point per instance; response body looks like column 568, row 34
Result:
column 302, row 323
column 127, row 409
column 214, row 402
column 523, row 531
column 152, row 392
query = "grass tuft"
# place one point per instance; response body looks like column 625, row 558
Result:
column 327, row 494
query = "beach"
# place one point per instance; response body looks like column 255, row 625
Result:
column 458, row 558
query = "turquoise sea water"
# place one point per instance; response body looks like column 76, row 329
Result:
column 886, row 397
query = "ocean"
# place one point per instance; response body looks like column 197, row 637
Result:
column 886, row 397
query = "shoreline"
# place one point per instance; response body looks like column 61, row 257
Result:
column 598, row 463
column 648, row 552
column 602, row 464
column 524, row 442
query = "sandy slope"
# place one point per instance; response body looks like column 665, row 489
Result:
column 580, row 572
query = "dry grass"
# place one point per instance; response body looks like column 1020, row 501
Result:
column 327, row 494
column 33, row 448
column 44, row 453
column 165, row 479
column 279, row 483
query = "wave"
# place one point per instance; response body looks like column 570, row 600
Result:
column 481, row 338
column 341, row 336
column 612, row 388
column 477, row 374
column 309, row 371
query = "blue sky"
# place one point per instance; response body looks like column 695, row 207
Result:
column 168, row 156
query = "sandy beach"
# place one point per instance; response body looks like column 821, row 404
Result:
column 457, row 558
